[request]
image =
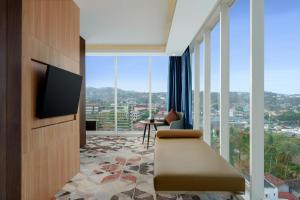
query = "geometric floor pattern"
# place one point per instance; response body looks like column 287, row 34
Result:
column 120, row 168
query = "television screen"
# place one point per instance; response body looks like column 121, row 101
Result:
column 59, row 94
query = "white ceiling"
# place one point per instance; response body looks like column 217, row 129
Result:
column 123, row 22
column 188, row 18
column 143, row 22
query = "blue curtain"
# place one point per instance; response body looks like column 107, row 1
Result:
column 186, row 99
column 180, row 86
column 175, row 83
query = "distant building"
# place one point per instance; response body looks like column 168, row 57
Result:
column 124, row 122
column 134, row 115
column 291, row 131
column 231, row 112
column 287, row 190
column 294, row 187
column 271, row 192
column 277, row 182
column 140, row 107
column 106, row 120
column 89, row 109
column 286, row 196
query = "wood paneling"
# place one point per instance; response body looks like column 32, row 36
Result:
column 13, row 104
column 3, row 68
column 37, row 156
column 99, row 48
column 50, row 147
column 82, row 97
column 10, row 99
column 170, row 15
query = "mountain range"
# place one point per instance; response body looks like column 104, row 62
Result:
column 273, row 101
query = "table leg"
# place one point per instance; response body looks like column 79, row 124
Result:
column 155, row 132
column 148, row 136
column 144, row 133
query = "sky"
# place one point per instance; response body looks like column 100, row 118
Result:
column 282, row 55
column 282, row 46
column 133, row 72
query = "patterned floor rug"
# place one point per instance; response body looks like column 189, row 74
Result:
column 120, row 168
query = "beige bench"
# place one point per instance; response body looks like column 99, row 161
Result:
column 184, row 162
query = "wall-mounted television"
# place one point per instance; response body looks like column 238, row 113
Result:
column 59, row 93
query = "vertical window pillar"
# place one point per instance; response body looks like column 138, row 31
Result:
column 116, row 93
column 224, row 83
column 257, row 99
column 196, row 89
column 150, row 85
column 207, row 77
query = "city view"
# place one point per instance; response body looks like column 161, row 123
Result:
column 132, row 108
column 282, row 94
column 282, row 125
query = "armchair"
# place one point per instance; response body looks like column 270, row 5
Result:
column 178, row 124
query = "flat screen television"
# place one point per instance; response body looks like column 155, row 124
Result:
column 59, row 93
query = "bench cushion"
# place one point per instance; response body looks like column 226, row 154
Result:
column 180, row 133
column 189, row 164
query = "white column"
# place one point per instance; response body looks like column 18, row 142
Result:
column 257, row 99
column 116, row 93
column 150, row 85
column 206, row 95
column 224, row 83
column 197, row 88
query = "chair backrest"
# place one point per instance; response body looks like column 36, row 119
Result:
column 180, row 114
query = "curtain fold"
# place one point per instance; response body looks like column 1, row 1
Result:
column 180, row 86
column 175, row 83
column 186, row 101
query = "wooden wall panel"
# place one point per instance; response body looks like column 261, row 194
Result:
column 50, row 147
column 3, row 69
column 82, row 96
column 13, row 98
column 10, row 99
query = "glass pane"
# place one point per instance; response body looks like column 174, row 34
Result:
column 282, row 99
column 133, row 92
column 100, row 91
column 239, row 85
column 201, row 81
column 159, row 86
column 215, row 87
column 193, row 82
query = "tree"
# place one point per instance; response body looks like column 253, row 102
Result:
column 280, row 150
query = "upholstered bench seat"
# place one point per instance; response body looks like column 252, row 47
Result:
column 189, row 164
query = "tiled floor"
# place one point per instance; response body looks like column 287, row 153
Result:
column 120, row 168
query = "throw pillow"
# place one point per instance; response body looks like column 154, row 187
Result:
column 172, row 116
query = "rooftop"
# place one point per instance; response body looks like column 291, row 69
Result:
column 274, row 180
column 294, row 184
column 286, row 195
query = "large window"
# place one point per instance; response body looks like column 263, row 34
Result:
column 215, row 87
column 282, row 99
column 201, row 81
column 193, row 84
column 159, row 85
column 141, row 88
column 100, row 91
column 239, row 85
column 281, row 96
column 133, row 92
